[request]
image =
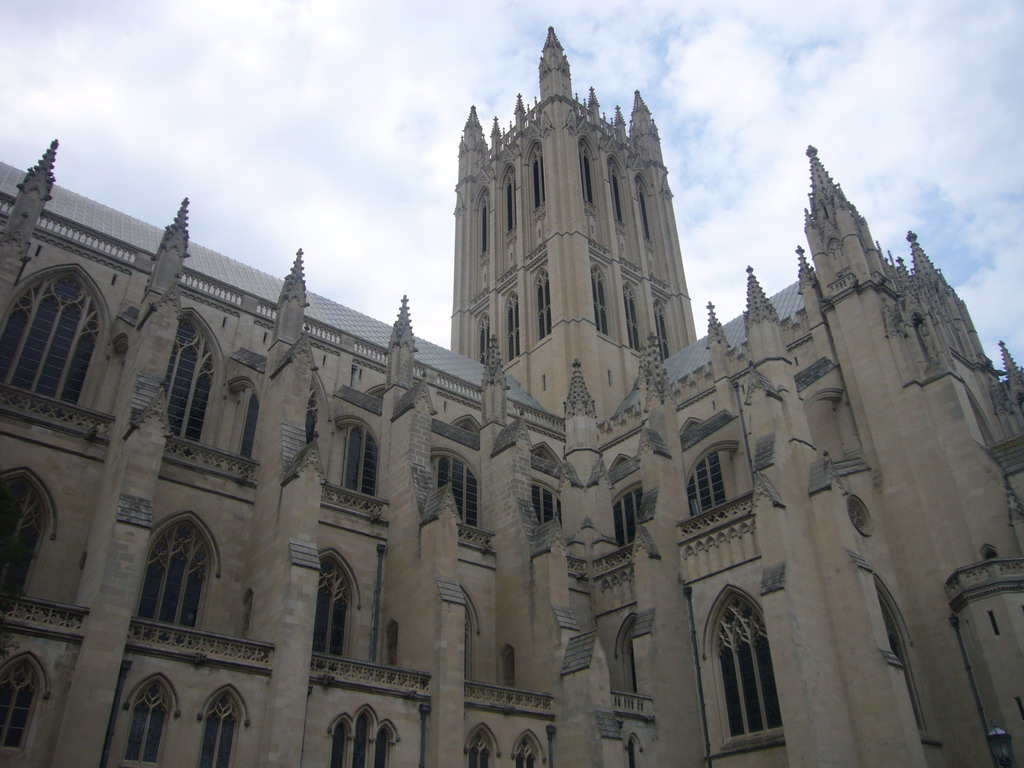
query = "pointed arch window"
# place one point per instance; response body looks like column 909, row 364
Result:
column 510, row 203
column 625, row 511
column 508, row 666
column 586, row 182
column 360, row 742
column 175, row 573
column 537, row 168
column 661, row 329
column 219, row 732
column 706, row 488
column 512, row 325
column 641, row 197
column 339, row 744
column 146, row 726
column 448, row 469
column 252, row 414
column 380, row 748
column 543, row 304
column 189, row 379
column 632, row 326
column 748, row 679
column 895, row 639
column 485, row 223
column 18, row 686
column 49, row 338
column 525, row 754
column 479, row 752
column 359, row 459
column 546, row 505
column 631, row 751
column 616, row 197
column 600, row 301
column 28, row 533
column 311, row 418
column 332, row 603
column 626, row 656
column 484, row 333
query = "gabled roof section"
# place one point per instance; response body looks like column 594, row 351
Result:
column 146, row 237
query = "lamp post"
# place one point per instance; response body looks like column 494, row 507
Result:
column 1000, row 744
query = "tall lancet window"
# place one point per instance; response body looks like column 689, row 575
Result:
column 28, row 531
column 189, row 379
column 586, row 181
column 311, row 418
column 748, row 680
column 484, row 226
column 543, row 304
column 512, row 326
column 632, row 326
column 661, row 329
column 537, row 168
column 49, row 338
column 252, row 415
column 332, row 603
column 641, row 197
column 510, row 202
column 484, row 332
column 616, row 195
column 600, row 302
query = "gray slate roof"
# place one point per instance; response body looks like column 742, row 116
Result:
column 146, row 237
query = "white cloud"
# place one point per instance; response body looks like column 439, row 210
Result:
column 335, row 126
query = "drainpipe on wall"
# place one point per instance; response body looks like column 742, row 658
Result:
column 424, row 711
column 375, row 629
column 955, row 621
column 688, row 591
column 125, row 666
column 551, row 745
column 743, row 426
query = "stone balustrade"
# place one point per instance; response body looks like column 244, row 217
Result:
column 360, row 503
column 211, row 458
column 508, row 699
column 616, row 559
column 32, row 616
column 633, row 705
column 199, row 646
column 476, row 537
column 333, row 670
column 731, row 510
column 79, row 419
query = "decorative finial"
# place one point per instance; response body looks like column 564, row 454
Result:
column 759, row 309
column 716, row 333
column 579, row 402
column 911, row 237
column 812, row 151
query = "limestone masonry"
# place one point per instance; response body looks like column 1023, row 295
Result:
column 269, row 531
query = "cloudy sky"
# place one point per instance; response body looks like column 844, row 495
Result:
column 334, row 125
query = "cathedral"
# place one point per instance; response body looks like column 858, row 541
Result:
column 267, row 531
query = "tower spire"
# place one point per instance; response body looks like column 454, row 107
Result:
column 494, row 400
column 716, row 333
column 401, row 349
column 919, row 259
column 40, row 179
column 555, row 79
column 579, row 402
column 593, row 105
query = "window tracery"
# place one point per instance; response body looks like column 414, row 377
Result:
column 632, row 326
column 748, row 679
column 512, row 325
column 219, row 732
column 449, row 469
column 189, row 380
column 359, row 459
column 175, row 573
column 332, row 604
column 546, row 504
column 146, row 726
column 600, row 302
column 18, row 686
column 543, row 304
column 706, row 487
column 625, row 511
column 29, row 532
column 48, row 340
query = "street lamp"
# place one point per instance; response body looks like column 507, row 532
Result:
column 1000, row 744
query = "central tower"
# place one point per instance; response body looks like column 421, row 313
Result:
column 565, row 243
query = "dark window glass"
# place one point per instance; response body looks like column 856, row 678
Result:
column 359, row 743
column 331, row 610
column 145, row 728
column 632, row 326
column 48, row 340
column 252, row 413
column 585, row 180
column 451, row 470
column 359, row 463
column 706, row 488
column 512, row 325
column 546, row 505
column 218, row 734
column 311, row 418
column 189, row 378
column 17, row 691
column 538, row 182
column 173, row 585
column 483, row 228
column 338, row 744
column 600, row 305
column 380, row 752
column 625, row 512
column 485, row 337
column 29, row 531
column 510, row 211
column 660, row 329
column 543, row 305
column 643, row 212
column 616, row 199
column 748, row 678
